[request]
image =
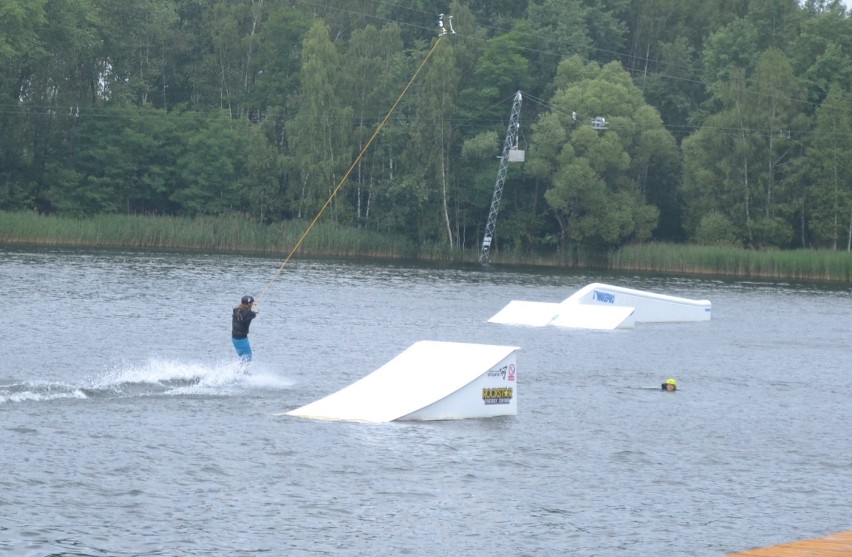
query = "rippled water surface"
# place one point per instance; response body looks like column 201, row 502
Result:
column 126, row 427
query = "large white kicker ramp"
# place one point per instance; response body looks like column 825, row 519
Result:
column 604, row 306
column 650, row 306
column 430, row 380
column 540, row 314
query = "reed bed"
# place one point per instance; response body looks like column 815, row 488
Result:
column 214, row 234
column 817, row 265
column 239, row 235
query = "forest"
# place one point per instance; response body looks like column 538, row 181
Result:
column 711, row 122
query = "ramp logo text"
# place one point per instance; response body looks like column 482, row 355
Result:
column 498, row 372
column 497, row 395
column 604, row 297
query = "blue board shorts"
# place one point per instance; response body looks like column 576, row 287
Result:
column 243, row 348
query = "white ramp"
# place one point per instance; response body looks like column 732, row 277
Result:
column 535, row 314
column 604, row 306
column 579, row 316
column 650, row 306
column 429, row 381
column 540, row 314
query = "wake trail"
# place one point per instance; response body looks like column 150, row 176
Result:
column 156, row 377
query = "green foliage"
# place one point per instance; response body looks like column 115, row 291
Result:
column 715, row 229
column 131, row 154
column 212, row 169
column 829, row 174
column 772, row 232
column 774, row 22
column 732, row 109
column 20, row 23
column 503, row 65
column 821, row 52
column 729, row 51
column 319, row 134
column 432, row 137
column 560, row 28
column 599, row 176
column 137, row 35
column 674, row 88
column 742, row 161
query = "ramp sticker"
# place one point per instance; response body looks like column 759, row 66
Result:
column 506, row 372
column 497, row 395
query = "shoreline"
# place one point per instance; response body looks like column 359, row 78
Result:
column 233, row 235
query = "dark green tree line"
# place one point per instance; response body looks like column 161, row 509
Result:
column 727, row 121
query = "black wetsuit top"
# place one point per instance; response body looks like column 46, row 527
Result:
column 241, row 320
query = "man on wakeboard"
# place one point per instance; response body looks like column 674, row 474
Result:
column 240, row 322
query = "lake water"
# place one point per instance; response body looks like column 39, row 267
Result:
column 126, row 427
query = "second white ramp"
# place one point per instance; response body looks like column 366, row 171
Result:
column 429, row 381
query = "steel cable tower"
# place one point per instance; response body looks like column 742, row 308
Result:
column 510, row 154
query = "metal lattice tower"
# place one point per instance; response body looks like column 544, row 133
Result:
column 510, row 154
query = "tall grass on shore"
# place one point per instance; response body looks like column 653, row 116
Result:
column 818, row 265
column 214, row 234
column 238, row 235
